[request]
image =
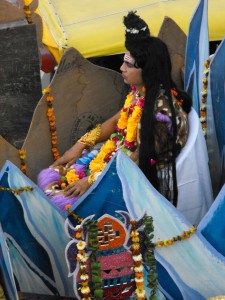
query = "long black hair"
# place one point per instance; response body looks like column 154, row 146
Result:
column 152, row 56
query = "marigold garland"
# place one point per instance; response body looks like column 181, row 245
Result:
column 82, row 257
column 22, row 155
column 71, row 213
column 185, row 235
column 27, row 12
column 204, row 97
column 126, row 132
column 138, row 262
column 16, row 191
column 52, row 122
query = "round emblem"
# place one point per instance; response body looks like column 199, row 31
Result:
column 84, row 123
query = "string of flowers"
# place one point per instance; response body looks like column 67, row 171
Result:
column 22, row 155
column 16, row 191
column 204, row 97
column 126, row 131
column 185, row 235
column 82, row 258
column 71, row 213
column 52, row 122
column 150, row 260
column 23, row 168
column 92, row 228
column 138, row 262
column 27, row 12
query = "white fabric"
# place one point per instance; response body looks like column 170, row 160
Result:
column 193, row 178
column 45, row 79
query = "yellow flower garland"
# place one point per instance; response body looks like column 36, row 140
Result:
column 122, row 122
column 128, row 122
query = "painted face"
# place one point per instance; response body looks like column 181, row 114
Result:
column 131, row 74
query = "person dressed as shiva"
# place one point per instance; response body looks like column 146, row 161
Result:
column 151, row 128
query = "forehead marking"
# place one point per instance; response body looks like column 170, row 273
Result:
column 128, row 58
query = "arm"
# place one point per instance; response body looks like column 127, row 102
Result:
column 108, row 127
column 71, row 155
column 79, row 187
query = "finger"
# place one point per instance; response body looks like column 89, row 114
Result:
column 55, row 164
column 70, row 163
column 71, row 192
column 81, row 193
column 70, row 187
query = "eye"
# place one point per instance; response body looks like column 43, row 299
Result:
column 129, row 65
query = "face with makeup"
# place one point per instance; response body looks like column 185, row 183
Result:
column 130, row 72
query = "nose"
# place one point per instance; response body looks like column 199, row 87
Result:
column 123, row 67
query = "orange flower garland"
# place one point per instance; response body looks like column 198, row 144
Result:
column 138, row 266
column 125, row 135
column 185, row 235
column 52, row 122
column 22, row 155
column 71, row 213
column 16, row 191
column 81, row 256
column 27, row 11
column 82, row 260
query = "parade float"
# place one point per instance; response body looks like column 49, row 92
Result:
column 121, row 239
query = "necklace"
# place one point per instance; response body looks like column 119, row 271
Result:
column 124, row 137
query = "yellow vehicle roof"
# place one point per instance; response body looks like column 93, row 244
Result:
column 95, row 27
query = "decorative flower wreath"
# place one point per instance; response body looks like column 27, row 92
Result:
column 52, row 121
column 203, row 115
column 124, row 138
column 22, row 155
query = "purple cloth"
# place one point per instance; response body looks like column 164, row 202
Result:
column 48, row 176
column 61, row 201
column 164, row 118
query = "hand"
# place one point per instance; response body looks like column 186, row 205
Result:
column 77, row 189
column 70, row 156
